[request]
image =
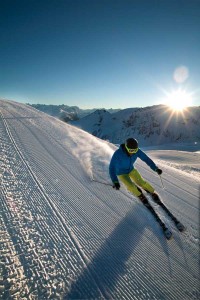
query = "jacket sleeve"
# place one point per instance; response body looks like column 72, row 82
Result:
column 112, row 168
column 147, row 160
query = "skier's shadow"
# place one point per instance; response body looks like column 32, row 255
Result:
column 110, row 260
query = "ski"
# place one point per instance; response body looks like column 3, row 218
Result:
column 178, row 224
column 166, row 231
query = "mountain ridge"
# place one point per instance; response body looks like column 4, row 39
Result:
column 64, row 112
column 153, row 125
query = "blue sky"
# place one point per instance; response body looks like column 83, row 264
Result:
column 98, row 53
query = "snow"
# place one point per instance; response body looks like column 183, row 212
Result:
column 66, row 236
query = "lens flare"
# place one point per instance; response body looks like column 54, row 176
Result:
column 181, row 74
column 179, row 100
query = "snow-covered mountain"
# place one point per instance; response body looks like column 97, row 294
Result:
column 154, row 125
column 66, row 113
column 66, row 236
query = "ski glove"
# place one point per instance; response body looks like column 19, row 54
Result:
column 158, row 171
column 116, row 185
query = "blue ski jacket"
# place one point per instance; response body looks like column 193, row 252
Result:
column 122, row 163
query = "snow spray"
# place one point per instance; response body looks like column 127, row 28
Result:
column 93, row 154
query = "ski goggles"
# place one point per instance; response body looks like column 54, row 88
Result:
column 131, row 150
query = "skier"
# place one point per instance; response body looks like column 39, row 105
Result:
column 122, row 168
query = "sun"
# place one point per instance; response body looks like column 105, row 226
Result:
column 178, row 100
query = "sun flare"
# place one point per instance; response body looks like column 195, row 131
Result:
column 179, row 100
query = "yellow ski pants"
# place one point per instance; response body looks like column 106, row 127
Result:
column 130, row 180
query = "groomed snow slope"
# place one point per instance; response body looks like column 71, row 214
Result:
column 64, row 236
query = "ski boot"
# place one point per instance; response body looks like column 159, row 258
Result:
column 143, row 198
column 156, row 198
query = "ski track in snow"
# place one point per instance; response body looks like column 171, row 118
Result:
column 64, row 236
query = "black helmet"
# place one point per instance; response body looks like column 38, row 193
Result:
column 131, row 143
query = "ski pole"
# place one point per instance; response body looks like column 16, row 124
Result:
column 105, row 183
column 162, row 182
